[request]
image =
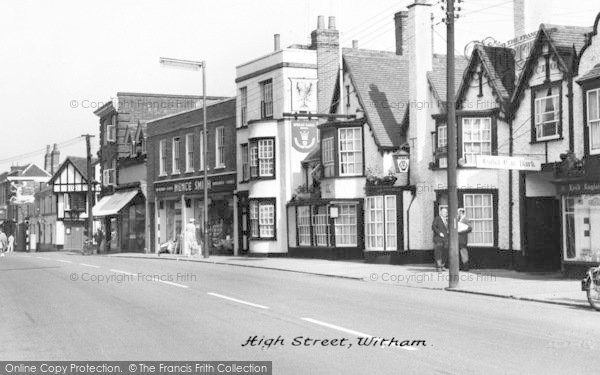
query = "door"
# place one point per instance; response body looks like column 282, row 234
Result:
column 73, row 237
column 543, row 234
column 243, row 231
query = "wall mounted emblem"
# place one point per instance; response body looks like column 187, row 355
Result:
column 304, row 95
column 304, row 135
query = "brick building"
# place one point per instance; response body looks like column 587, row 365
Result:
column 43, row 224
column 122, row 158
column 175, row 176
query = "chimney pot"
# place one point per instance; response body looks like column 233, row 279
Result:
column 277, row 42
column 331, row 22
column 320, row 22
column 355, row 44
column 400, row 19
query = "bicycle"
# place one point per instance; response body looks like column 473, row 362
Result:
column 591, row 285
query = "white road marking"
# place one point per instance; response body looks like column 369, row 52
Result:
column 89, row 265
column 237, row 300
column 123, row 272
column 350, row 331
column 43, row 258
column 64, row 261
column 174, row 284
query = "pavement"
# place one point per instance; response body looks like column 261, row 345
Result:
column 65, row 306
column 545, row 287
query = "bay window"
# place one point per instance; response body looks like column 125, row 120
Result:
column 476, row 138
column 262, row 157
column 245, row 165
column 328, row 157
column 593, row 120
column 380, row 222
column 346, row 225
column 350, row 151
column 262, row 218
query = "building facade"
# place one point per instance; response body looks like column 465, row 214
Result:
column 43, row 223
column 176, row 168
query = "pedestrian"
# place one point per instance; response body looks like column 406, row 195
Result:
column 3, row 242
column 99, row 238
column 440, row 239
column 11, row 243
column 190, row 243
column 464, row 228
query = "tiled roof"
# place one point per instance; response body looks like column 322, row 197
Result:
column 593, row 73
column 437, row 76
column 80, row 163
column 314, row 155
column 34, row 171
column 566, row 36
column 381, row 82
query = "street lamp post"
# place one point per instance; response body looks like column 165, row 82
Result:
column 197, row 65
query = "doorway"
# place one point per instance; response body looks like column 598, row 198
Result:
column 543, row 234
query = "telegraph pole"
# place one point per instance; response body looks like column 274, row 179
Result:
column 452, row 148
column 90, row 190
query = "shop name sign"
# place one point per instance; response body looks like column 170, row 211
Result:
column 580, row 188
column 181, row 186
column 507, row 162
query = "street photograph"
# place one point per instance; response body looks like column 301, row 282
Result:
column 299, row 187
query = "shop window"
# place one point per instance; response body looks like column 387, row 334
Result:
column 320, row 222
column 350, row 151
column 380, row 222
column 345, row 225
column 547, row 117
column 476, row 138
column 581, row 223
column 262, row 218
column 593, row 120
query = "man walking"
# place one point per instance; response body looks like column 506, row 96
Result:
column 440, row 239
column 11, row 243
column 3, row 242
column 464, row 228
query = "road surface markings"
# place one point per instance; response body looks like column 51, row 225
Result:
column 174, row 284
column 238, row 300
column 63, row 261
column 43, row 258
column 346, row 330
column 123, row 272
column 89, row 265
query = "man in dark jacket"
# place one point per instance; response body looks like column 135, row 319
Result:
column 440, row 239
column 463, row 238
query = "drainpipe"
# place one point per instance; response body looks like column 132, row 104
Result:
column 414, row 195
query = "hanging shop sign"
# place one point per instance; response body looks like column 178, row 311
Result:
column 304, row 135
column 507, row 162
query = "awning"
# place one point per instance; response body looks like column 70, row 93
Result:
column 112, row 204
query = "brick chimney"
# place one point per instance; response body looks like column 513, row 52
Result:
column 54, row 159
column 276, row 42
column 400, row 19
column 420, row 57
column 327, row 44
column 47, row 161
column 529, row 14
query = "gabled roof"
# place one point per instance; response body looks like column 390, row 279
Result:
column 380, row 79
column 499, row 71
column 80, row 164
column 437, row 75
column 33, row 170
column 561, row 39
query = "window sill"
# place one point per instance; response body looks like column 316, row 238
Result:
column 263, row 239
column 546, row 140
column 163, row 174
column 259, row 178
column 219, row 166
column 175, row 172
column 343, row 177
column 189, row 171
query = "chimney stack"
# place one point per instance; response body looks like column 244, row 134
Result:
column 277, row 42
column 54, row 159
column 327, row 43
column 529, row 14
column 400, row 19
column 47, row 161
column 355, row 44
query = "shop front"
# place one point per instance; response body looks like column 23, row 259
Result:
column 178, row 201
column 123, row 220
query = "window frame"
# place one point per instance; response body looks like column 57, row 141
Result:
column 245, row 162
column 176, row 155
column 337, row 225
column 588, row 131
column 438, row 154
column 189, row 153
column 256, row 161
column 328, row 165
column 162, row 157
column 493, row 137
column 220, row 147
column 257, row 220
column 386, row 217
column 266, row 99
column 244, row 106
column 355, row 130
column 111, row 133
column 534, row 90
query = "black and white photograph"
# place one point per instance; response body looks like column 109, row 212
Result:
column 299, row 187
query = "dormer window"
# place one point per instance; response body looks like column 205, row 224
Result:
column 546, row 112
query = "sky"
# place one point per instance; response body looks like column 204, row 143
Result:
column 62, row 59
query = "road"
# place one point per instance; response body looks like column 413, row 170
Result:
column 60, row 306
